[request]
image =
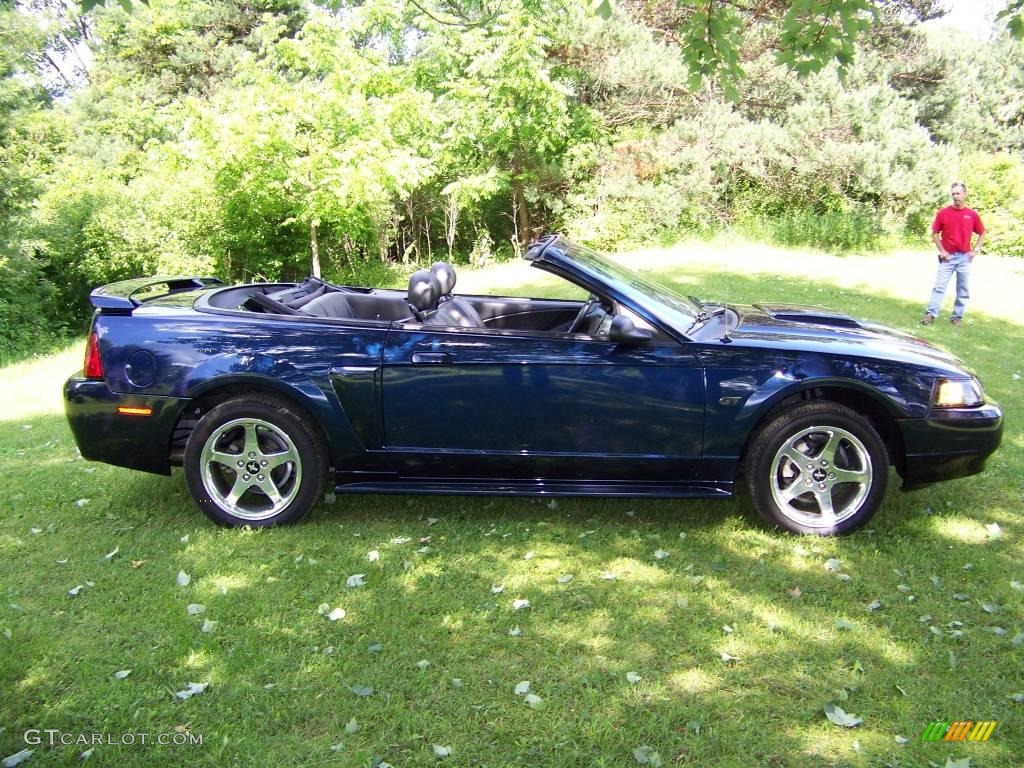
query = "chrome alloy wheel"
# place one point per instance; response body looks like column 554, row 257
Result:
column 251, row 468
column 821, row 476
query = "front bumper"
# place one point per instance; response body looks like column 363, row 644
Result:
column 103, row 434
column 949, row 443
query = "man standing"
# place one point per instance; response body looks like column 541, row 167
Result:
column 953, row 229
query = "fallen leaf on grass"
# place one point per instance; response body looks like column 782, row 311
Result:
column 497, row 589
column 1017, row 698
column 442, row 751
column 87, row 754
column 375, row 647
column 75, row 590
column 336, row 615
column 515, row 631
column 422, row 663
column 122, row 674
column 373, row 555
column 795, row 592
column 833, row 565
column 112, row 553
column 522, row 688
column 519, row 604
column 633, row 677
column 951, row 763
column 208, row 626
column 138, row 563
column 533, row 701
column 17, row 758
column 902, row 740
column 565, row 578
column 837, row 716
column 645, row 755
column 192, row 690
column 361, row 690
column 843, row 624
column 874, row 605
column 727, row 657
column 82, row 502
column 994, row 531
column 351, row 726
column 194, row 609
column 356, row 580
column 660, row 554
column 183, row 579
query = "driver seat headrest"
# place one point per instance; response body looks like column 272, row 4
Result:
column 445, row 276
column 423, row 291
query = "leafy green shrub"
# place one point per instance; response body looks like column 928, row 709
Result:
column 26, row 325
column 995, row 185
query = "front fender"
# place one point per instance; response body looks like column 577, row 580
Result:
column 740, row 396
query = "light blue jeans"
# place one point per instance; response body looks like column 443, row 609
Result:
column 961, row 264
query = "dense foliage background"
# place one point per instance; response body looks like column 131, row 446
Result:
column 258, row 138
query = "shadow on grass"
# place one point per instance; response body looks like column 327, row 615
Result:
column 281, row 674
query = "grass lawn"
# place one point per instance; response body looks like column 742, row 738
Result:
column 657, row 632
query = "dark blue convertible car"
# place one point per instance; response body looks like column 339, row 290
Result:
column 266, row 392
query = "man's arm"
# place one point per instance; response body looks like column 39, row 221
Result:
column 979, row 228
column 937, row 237
column 977, row 247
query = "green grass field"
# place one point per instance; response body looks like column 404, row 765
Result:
column 723, row 652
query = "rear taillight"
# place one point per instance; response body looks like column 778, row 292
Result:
column 93, row 364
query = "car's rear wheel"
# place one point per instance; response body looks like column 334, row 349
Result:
column 254, row 460
column 818, row 468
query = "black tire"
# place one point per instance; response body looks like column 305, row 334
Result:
column 254, row 460
column 814, row 456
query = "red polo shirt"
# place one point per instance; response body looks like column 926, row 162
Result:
column 957, row 226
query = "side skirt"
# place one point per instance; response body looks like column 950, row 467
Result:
column 448, row 487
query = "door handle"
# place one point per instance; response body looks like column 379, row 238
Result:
column 431, row 358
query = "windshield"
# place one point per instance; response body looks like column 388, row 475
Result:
column 669, row 305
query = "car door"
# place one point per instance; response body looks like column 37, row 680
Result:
column 477, row 403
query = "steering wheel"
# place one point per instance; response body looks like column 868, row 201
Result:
column 581, row 315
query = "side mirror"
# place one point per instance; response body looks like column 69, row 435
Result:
column 623, row 331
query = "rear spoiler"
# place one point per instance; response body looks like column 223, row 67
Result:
column 122, row 296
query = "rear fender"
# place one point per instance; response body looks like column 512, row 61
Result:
column 266, row 374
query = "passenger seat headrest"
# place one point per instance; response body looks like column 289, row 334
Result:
column 423, row 290
column 445, row 274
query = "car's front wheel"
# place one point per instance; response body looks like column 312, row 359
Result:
column 817, row 467
column 253, row 460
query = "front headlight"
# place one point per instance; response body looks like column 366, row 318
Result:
column 958, row 393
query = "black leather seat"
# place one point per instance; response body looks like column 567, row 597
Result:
column 452, row 311
column 329, row 305
column 423, row 294
column 445, row 275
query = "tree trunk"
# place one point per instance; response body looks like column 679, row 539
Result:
column 314, row 247
column 522, row 214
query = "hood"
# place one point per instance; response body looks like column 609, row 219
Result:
column 823, row 330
